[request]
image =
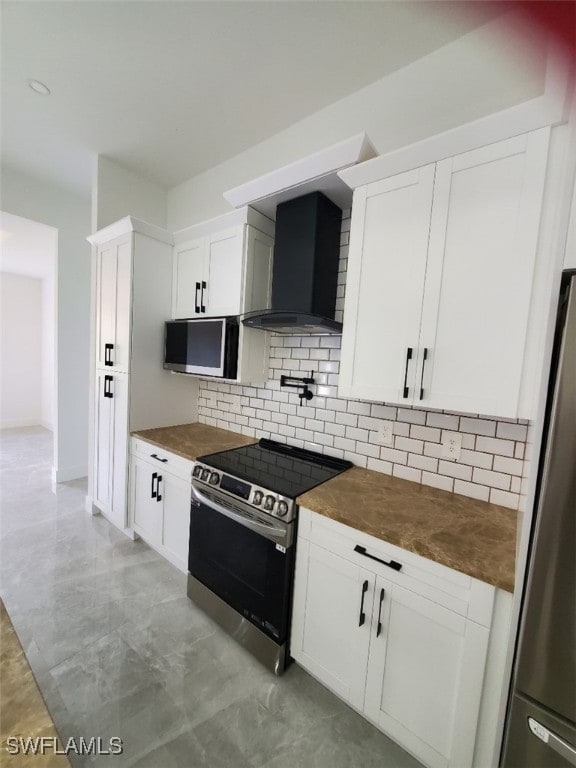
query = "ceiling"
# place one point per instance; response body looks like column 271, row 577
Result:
column 27, row 247
column 169, row 89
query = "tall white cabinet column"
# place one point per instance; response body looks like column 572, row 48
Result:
column 132, row 391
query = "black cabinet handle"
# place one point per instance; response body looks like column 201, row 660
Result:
column 155, row 456
column 107, row 390
column 152, row 490
column 362, row 614
column 379, row 627
column 158, row 481
column 408, row 358
column 196, row 305
column 424, row 358
column 392, row 564
column 107, row 356
column 202, row 307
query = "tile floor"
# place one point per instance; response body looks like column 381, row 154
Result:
column 119, row 650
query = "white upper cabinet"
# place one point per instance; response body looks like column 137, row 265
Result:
column 385, row 282
column 218, row 263
column 440, row 280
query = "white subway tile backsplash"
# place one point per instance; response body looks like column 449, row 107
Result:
column 407, row 444
column 505, row 499
column 510, row 466
column 512, row 431
column 442, row 421
column 438, row 481
column 493, row 457
column 413, row 417
column 425, row 433
column 407, row 473
column 473, row 490
column 452, row 469
column 380, row 466
column 493, row 479
column 478, row 426
column 495, row 445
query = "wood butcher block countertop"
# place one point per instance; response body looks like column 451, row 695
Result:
column 193, row 440
column 471, row 536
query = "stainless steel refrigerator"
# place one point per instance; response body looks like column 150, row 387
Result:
column 541, row 724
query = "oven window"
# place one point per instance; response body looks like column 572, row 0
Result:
column 245, row 569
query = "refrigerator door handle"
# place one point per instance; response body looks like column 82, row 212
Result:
column 554, row 742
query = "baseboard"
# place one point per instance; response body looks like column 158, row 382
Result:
column 20, row 423
column 69, row 473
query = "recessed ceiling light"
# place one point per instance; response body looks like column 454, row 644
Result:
column 39, row 87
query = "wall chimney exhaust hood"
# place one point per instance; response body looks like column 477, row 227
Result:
column 305, row 269
column 306, row 199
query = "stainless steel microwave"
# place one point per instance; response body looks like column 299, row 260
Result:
column 207, row 347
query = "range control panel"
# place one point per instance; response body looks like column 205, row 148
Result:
column 260, row 498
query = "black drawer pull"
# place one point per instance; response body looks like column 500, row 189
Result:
column 379, row 628
column 152, row 490
column 392, row 564
column 196, row 304
column 155, row 456
column 107, row 354
column 362, row 614
column 158, row 481
column 408, row 358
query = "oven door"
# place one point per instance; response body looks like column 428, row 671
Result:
column 245, row 557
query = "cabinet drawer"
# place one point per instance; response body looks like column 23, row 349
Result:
column 171, row 462
column 445, row 586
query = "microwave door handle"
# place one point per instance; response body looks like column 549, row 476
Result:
column 273, row 532
column 202, row 289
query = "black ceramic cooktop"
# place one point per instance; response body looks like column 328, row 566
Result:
column 284, row 469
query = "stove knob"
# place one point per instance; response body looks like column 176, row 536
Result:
column 214, row 478
column 269, row 503
column 197, row 471
column 282, row 508
column 257, row 498
column 205, row 475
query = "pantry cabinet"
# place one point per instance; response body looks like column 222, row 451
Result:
column 441, row 278
column 110, row 445
column 223, row 267
column 401, row 639
column 132, row 299
column 160, row 494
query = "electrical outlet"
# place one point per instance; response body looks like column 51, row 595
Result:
column 385, row 433
column 451, row 445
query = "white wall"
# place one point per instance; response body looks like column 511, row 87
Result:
column 20, row 351
column 40, row 201
column 118, row 192
column 48, row 353
column 481, row 73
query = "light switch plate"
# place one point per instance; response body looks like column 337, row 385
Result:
column 451, row 445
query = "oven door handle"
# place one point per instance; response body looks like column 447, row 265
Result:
column 268, row 531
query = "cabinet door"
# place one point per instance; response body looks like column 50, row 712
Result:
column 119, row 441
column 103, row 431
column 189, row 262
column 176, row 494
column 223, row 273
column 110, row 447
column 113, row 300
column 385, row 282
column 145, row 509
column 331, row 620
column 425, row 675
column 481, row 259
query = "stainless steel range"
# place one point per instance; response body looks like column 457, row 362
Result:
column 242, row 539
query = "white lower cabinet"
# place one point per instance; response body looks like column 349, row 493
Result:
column 159, row 504
column 407, row 648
